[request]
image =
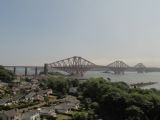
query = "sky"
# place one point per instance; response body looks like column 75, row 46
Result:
column 34, row 32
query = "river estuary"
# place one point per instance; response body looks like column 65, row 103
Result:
column 129, row 77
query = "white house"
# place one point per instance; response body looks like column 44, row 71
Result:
column 31, row 115
column 47, row 112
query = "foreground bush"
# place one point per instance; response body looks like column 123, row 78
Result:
column 117, row 101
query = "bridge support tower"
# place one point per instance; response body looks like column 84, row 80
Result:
column 14, row 70
column 26, row 71
column 140, row 68
column 36, row 71
column 75, row 65
column 118, row 67
column 45, row 69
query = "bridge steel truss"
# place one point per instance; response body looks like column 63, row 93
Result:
column 74, row 65
column 118, row 67
column 140, row 68
column 78, row 66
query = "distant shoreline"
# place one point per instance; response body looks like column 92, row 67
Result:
column 142, row 84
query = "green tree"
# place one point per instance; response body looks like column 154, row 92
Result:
column 117, row 101
column 58, row 84
column 6, row 75
column 134, row 113
column 80, row 116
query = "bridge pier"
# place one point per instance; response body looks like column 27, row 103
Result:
column 119, row 72
column 77, row 74
column 140, row 70
column 14, row 70
column 26, row 71
column 36, row 71
column 45, row 69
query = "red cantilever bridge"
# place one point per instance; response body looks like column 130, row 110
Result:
column 74, row 65
column 78, row 66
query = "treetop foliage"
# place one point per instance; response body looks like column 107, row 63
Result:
column 117, row 101
column 6, row 75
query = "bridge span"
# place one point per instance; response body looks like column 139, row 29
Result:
column 78, row 66
column 25, row 68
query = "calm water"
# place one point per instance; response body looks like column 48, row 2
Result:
column 129, row 77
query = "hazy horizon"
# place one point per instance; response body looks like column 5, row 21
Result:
column 34, row 32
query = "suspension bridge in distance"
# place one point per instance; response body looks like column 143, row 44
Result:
column 78, row 66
